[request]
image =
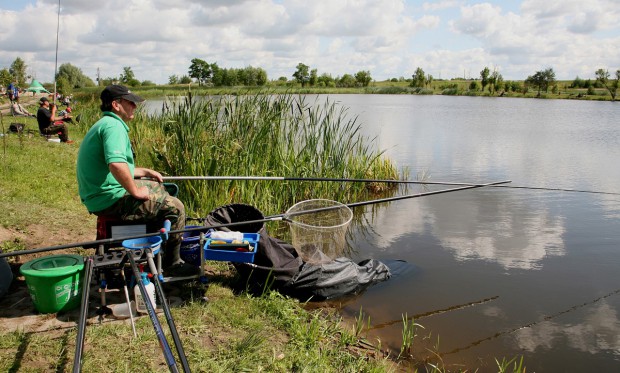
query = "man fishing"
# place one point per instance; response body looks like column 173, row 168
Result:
column 49, row 123
column 109, row 183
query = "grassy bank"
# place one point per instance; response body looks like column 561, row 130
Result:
column 233, row 331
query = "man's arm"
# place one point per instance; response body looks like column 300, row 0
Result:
column 53, row 117
column 146, row 172
column 121, row 173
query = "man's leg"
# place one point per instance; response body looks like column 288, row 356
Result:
column 60, row 129
column 159, row 207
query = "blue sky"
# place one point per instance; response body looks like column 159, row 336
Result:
column 389, row 38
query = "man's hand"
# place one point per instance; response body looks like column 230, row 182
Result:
column 141, row 193
column 147, row 172
column 121, row 173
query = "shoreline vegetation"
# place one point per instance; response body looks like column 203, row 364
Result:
column 454, row 87
column 245, row 133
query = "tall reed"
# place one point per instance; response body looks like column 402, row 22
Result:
column 259, row 135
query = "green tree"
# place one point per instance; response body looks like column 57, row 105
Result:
column 549, row 78
column 74, row 76
column 5, row 77
column 107, row 81
column 129, row 78
column 127, row 75
column 515, row 86
column 18, row 71
column 363, row 78
column 253, row 76
column 347, row 80
column 542, row 80
column 64, row 86
column 200, row 70
column 429, row 80
column 418, row 78
column 484, row 77
column 578, row 83
column 261, row 76
column 147, row 83
column 302, row 74
column 185, row 79
column 602, row 76
column 313, row 77
column 326, row 80
column 496, row 80
column 173, row 79
column 536, row 81
column 226, row 77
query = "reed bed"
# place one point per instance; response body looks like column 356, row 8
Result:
column 259, row 135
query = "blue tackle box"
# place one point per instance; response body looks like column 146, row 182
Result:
column 227, row 251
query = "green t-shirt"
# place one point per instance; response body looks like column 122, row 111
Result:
column 106, row 142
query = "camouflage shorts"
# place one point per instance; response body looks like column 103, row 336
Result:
column 159, row 207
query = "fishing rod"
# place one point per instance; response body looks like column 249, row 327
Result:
column 81, row 333
column 284, row 217
column 163, row 342
column 157, row 280
column 386, row 181
column 56, row 60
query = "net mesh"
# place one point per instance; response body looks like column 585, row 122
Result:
column 318, row 229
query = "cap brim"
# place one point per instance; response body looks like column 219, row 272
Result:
column 133, row 98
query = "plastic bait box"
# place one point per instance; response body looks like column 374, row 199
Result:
column 232, row 251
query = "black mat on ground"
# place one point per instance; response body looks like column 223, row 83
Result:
column 278, row 266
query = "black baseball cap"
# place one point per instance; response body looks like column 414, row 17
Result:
column 116, row 91
column 42, row 100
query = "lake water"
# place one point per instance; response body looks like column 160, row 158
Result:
column 496, row 272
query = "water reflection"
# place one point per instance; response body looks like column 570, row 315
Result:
column 514, row 235
column 496, row 226
column 599, row 331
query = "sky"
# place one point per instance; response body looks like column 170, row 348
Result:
column 389, row 38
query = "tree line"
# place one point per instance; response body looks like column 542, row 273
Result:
column 540, row 81
column 70, row 77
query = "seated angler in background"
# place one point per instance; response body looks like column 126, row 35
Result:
column 17, row 110
column 49, row 124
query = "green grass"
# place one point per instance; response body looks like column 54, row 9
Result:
column 231, row 333
column 38, row 182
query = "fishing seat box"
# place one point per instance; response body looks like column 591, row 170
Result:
column 228, row 252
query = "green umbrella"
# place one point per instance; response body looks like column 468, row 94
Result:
column 35, row 86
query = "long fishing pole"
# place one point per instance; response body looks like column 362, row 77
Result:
column 157, row 279
column 163, row 342
column 266, row 219
column 386, row 181
column 56, row 61
column 79, row 340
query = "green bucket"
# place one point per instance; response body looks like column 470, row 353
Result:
column 54, row 282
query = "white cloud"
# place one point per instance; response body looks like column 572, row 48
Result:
column 388, row 37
